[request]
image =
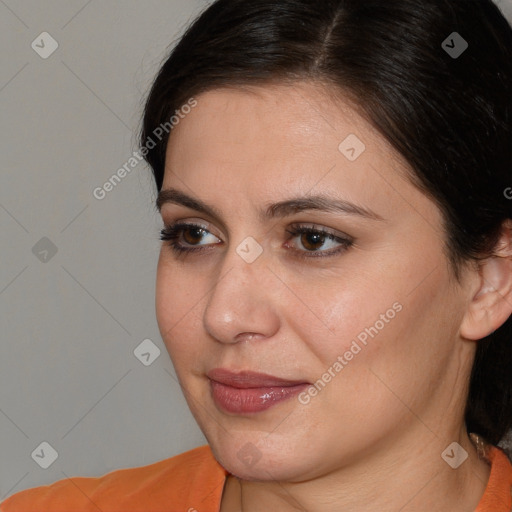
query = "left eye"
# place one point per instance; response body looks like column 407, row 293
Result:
column 313, row 239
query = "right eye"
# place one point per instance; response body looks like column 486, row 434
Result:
column 191, row 234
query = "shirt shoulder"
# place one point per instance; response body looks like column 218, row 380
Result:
column 193, row 480
column 498, row 493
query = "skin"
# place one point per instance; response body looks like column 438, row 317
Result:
column 372, row 439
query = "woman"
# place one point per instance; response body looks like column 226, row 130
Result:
column 335, row 283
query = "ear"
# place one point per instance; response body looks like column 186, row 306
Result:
column 491, row 304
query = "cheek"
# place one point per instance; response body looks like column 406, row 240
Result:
column 394, row 347
column 373, row 321
column 165, row 299
column 342, row 315
column 178, row 302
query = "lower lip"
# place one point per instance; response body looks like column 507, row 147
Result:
column 251, row 400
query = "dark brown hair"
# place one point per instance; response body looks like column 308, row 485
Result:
column 448, row 115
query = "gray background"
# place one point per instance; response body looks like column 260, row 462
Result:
column 70, row 321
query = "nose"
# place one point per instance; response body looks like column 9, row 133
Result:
column 242, row 304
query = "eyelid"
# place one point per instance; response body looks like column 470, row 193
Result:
column 194, row 222
column 319, row 228
column 180, row 227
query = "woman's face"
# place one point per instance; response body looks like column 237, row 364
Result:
column 361, row 323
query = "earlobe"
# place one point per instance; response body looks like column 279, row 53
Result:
column 491, row 305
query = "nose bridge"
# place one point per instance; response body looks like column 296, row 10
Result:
column 241, row 299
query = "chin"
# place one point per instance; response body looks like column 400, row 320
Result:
column 251, row 457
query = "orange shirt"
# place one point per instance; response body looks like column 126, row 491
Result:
column 190, row 482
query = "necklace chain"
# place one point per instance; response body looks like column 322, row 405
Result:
column 241, row 496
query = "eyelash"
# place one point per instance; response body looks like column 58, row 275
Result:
column 171, row 235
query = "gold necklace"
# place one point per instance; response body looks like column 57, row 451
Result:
column 241, row 496
column 482, row 447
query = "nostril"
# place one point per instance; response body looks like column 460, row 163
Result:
column 249, row 336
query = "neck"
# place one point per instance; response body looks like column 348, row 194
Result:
column 422, row 482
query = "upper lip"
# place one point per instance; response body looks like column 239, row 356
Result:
column 249, row 379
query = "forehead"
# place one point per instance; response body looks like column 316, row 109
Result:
column 274, row 119
column 281, row 140
column 304, row 113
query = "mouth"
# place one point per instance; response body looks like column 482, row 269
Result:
column 249, row 392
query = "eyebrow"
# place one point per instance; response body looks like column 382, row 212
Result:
column 284, row 208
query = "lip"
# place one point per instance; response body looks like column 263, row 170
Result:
column 249, row 379
column 247, row 392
